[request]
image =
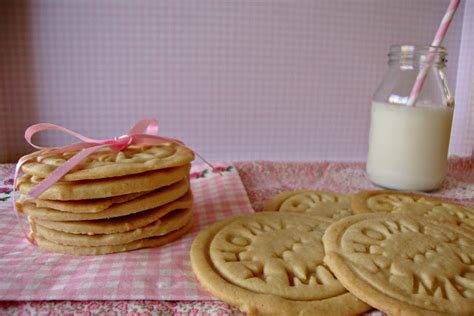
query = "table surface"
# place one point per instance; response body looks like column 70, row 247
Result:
column 262, row 179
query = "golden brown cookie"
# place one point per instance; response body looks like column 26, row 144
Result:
column 102, row 250
column 271, row 263
column 151, row 200
column 94, row 189
column 414, row 204
column 329, row 205
column 402, row 264
column 117, row 224
column 106, row 163
column 166, row 224
column 81, row 206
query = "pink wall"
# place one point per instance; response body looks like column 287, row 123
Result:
column 462, row 140
column 235, row 80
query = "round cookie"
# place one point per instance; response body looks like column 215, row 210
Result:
column 94, row 189
column 414, row 204
column 403, row 265
column 163, row 226
column 151, row 200
column 328, row 205
column 118, row 224
column 106, row 163
column 102, row 250
column 81, row 206
column 271, row 263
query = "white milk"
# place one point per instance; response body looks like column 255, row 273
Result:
column 408, row 146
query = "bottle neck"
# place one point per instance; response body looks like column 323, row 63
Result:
column 416, row 56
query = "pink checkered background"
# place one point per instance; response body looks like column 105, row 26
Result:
column 236, row 80
column 162, row 273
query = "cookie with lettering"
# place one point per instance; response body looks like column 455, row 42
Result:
column 145, row 202
column 402, row 264
column 108, row 187
column 163, row 226
column 414, row 204
column 271, row 263
column 102, row 250
column 106, row 163
column 330, row 205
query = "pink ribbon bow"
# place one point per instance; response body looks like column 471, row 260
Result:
column 143, row 132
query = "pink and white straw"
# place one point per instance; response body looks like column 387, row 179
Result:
column 440, row 34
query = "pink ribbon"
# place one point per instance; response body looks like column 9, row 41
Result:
column 143, row 132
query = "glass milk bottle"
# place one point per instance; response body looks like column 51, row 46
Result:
column 408, row 145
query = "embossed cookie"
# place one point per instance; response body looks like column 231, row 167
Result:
column 329, row 205
column 118, row 224
column 102, row 250
column 403, row 265
column 148, row 201
column 414, row 204
column 94, row 189
column 271, row 263
column 163, row 226
column 107, row 163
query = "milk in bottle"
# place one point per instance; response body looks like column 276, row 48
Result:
column 408, row 144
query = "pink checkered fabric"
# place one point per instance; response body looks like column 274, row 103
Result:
column 164, row 273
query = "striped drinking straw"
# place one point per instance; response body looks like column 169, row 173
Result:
column 443, row 28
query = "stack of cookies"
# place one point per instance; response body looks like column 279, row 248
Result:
column 111, row 201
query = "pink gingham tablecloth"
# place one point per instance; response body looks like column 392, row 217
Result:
column 163, row 273
column 262, row 179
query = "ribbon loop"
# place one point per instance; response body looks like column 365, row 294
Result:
column 145, row 126
column 33, row 129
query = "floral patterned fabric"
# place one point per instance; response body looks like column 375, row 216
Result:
column 262, row 179
column 119, row 308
